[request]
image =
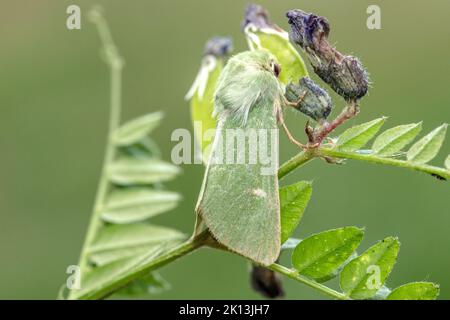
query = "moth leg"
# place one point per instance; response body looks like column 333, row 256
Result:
column 290, row 136
column 295, row 104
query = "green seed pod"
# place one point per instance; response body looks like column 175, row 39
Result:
column 313, row 100
column 344, row 74
column 201, row 92
column 261, row 33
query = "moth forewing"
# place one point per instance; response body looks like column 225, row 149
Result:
column 239, row 200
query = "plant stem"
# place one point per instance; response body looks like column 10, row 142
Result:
column 350, row 111
column 440, row 172
column 295, row 162
column 144, row 268
column 203, row 239
column 293, row 274
column 115, row 63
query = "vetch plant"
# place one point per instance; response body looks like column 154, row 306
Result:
column 240, row 210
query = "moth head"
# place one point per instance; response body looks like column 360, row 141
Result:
column 264, row 61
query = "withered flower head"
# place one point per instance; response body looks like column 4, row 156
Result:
column 258, row 17
column 308, row 29
column 344, row 74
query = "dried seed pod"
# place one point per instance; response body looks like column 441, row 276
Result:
column 312, row 99
column 218, row 47
column 266, row 282
column 344, row 74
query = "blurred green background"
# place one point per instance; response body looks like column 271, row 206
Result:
column 53, row 121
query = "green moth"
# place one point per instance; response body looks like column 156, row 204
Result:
column 239, row 199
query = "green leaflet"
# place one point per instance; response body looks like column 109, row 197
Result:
column 447, row 162
column 131, row 171
column 146, row 148
column 362, row 277
column 356, row 137
column 137, row 204
column 101, row 276
column 137, row 129
column 277, row 42
column 117, row 242
column 415, row 291
column 428, row 147
column 104, row 257
column 151, row 284
column 201, row 98
column 394, row 139
column 319, row 255
column 293, row 201
column 126, row 236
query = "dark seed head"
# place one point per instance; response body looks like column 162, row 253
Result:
column 307, row 28
column 344, row 74
column 313, row 100
column 218, row 47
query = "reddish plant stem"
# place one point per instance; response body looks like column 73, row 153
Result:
column 350, row 111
